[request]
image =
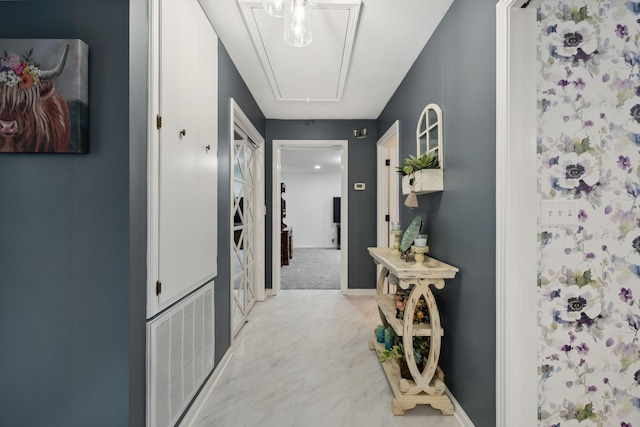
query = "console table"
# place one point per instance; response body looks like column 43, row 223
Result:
column 427, row 387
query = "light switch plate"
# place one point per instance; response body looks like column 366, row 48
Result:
column 559, row 213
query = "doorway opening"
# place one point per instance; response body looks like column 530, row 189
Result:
column 310, row 243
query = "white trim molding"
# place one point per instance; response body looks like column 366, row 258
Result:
column 276, row 219
column 360, row 292
column 516, row 215
column 202, row 397
column 458, row 413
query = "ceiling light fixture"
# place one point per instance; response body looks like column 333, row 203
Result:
column 317, row 166
column 297, row 25
column 277, row 8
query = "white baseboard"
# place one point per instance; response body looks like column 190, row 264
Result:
column 204, row 394
column 360, row 292
column 458, row 413
column 315, row 247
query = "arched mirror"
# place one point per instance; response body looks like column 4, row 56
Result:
column 429, row 131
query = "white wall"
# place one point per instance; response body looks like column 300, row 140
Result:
column 309, row 199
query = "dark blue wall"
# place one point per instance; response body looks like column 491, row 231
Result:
column 362, row 204
column 65, row 243
column 457, row 71
column 230, row 85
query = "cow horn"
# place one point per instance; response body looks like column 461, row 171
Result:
column 55, row 72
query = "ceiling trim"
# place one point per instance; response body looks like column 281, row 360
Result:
column 247, row 8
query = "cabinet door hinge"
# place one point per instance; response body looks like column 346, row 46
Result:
column 158, row 121
column 158, row 287
column 387, row 218
column 387, row 162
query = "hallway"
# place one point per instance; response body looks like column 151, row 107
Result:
column 303, row 361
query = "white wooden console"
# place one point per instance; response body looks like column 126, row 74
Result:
column 427, row 386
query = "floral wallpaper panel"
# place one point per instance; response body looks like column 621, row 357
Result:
column 589, row 151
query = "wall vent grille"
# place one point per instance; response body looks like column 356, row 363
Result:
column 180, row 355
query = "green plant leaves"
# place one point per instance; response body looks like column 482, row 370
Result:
column 425, row 161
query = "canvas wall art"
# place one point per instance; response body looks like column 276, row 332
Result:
column 44, row 96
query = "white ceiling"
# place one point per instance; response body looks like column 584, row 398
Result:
column 302, row 160
column 328, row 79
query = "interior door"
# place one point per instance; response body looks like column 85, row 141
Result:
column 187, row 194
column 388, row 193
column 243, row 248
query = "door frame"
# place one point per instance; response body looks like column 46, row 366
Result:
column 385, row 186
column 516, row 215
column 277, row 146
column 239, row 118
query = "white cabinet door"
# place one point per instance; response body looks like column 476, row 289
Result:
column 187, row 147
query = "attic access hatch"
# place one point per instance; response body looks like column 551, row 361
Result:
column 313, row 73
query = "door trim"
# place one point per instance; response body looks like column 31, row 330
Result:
column 239, row 118
column 278, row 145
column 393, row 133
column 516, row 215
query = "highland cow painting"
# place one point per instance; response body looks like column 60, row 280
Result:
column 44, row 96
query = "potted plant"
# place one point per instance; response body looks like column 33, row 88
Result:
column 422, row 174
column 413, row 164
column 396, row 352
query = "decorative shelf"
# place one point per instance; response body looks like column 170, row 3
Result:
column 427, row 386
column 424, row 181
column 403, row 401
column 387, row 305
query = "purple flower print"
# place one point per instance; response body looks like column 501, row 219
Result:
column 563, row 83
column 623, row 424
column 622, row 31
column 576, row 304
column 625, row 294
column 635, row 112
column 574, row 171
column 582, row 215
column 579, row 83
column 569, row 71
column 583, row 349
column 624, row 162
column 572, row 40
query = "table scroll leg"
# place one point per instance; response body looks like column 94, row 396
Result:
column 399, row 408
column 423, row 380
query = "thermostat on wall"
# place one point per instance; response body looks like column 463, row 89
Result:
column 359, row 186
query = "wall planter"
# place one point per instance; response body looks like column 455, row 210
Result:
column 423, row 181
column 422, row 176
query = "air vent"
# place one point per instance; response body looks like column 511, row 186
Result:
column 180, row 355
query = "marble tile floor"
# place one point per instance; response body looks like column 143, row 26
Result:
column 302, row 360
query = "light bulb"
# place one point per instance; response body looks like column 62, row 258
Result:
column 298, row 13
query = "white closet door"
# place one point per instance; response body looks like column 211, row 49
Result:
column 187, row 215
column 243, row 249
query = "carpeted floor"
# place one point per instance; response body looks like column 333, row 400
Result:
column 312, row 268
